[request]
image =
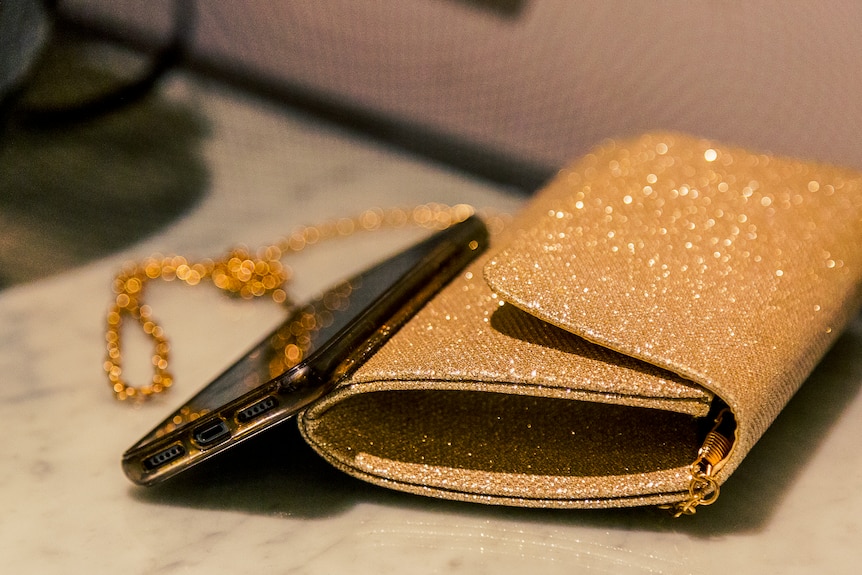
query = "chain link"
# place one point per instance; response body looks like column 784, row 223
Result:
column 703, row 489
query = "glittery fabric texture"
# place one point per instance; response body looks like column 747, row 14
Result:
column 573, row 365
column 733, row 269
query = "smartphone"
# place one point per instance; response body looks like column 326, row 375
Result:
column 303, row 359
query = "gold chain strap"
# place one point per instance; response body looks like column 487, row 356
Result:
column 239, row 274
column 703, row 487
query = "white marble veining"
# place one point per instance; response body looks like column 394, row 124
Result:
column 65, row 507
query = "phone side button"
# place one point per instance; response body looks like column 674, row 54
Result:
column 211, row 433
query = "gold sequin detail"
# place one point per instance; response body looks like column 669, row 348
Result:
column 733, row 269
column 653, row 275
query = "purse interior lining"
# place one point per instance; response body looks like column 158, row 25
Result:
column 504, row 433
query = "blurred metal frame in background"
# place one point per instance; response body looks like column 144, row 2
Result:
column 28, row 25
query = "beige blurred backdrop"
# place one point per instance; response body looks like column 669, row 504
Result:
column 539, row 82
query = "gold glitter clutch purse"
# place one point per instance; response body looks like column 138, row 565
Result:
column 625, row 342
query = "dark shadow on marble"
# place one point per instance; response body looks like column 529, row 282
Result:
column 278, row 474
column 275, row 473
column 70, row 194
column 514, row 322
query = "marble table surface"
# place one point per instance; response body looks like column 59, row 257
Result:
column 794, row 506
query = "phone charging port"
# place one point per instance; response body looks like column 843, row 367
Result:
column 211, row 433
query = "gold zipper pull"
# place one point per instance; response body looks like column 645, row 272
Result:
column 703, row 488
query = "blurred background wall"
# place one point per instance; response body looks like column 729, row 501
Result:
column 524, row 86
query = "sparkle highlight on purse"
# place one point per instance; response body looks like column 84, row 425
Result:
column 625, row 341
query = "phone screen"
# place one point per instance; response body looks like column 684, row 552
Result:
column 304, row 357
column 286, row 347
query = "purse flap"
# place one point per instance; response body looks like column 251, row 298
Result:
column 732, row 269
